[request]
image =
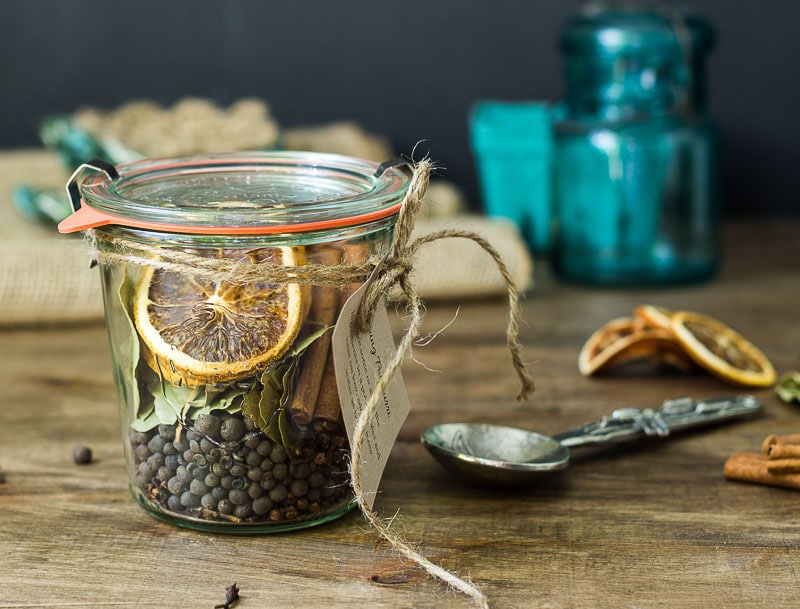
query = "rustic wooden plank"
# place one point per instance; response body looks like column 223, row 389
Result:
column 635, row 526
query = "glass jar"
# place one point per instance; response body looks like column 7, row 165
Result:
column 229, row 410
column 635, row 181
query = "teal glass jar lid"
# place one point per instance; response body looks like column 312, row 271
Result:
column 616, row 31
column 259, row 193
column 635, row 61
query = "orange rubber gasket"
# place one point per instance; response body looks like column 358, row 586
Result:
column 88, row 217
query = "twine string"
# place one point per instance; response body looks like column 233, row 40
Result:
column 381, row 275
column 395, row 269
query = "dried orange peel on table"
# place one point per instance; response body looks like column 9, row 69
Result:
column 680, row 338
column 627, row 339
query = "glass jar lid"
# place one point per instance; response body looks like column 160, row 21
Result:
column 259, row 193
column 615, row 31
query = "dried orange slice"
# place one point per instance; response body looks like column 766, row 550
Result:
column 626, row 339
column 657, row 316
column 721, row 350
column 197, row 331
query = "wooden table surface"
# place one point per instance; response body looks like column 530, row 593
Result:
column 640, row 526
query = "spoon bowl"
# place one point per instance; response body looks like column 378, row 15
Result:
column 493, row 454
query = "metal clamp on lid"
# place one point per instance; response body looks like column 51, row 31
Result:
column 73, row 190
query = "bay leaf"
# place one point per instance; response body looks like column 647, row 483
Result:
column 788, row 387
column 146, row 422
column 123, row 336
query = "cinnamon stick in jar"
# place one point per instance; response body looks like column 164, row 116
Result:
column 316, row 398
column 322, row 313
column 328, row 411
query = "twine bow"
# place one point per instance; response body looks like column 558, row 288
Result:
column 395, row 268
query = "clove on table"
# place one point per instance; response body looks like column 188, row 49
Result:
column 231, row 596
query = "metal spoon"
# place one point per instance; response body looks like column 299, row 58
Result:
column 505, row 456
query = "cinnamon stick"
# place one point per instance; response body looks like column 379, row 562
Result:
column 783, row 466
column 752, row 467
column 328, row 411
column 316, row 397
column 356, row 253
column 323, row 311
column 779, row 447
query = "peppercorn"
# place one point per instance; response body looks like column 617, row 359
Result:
column 251, row 479
column 209, row 502
column 299, row 488
column 280, row 471
column 232, row 430
column 278, row 454
column 189, row 500
column 262, row 505
column 238, row 496
column 254, row 490
column 209, row 425
column 279, row 493
column 175, row 485
column 82, row 455
column 198, row 487
column 264, row 447
column 156, row 444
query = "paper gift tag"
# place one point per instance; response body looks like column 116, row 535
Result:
column 360, row 359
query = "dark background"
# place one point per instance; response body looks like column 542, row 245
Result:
column 409, row 70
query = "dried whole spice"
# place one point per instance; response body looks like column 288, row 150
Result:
column 253, row 480
column 721, row 350
column 82, row 455
column 231, row 596
column 788, row 387
column 777, row 464
column 683, row 339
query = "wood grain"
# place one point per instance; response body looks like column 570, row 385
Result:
column 638, row 526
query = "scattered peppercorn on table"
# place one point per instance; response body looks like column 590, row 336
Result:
column 646, row 525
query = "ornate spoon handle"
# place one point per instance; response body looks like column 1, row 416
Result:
column 680, row 413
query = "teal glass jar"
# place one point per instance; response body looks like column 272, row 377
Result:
column 512, row 143
column 635, row 170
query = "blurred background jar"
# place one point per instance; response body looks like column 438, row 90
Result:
column 635, row 157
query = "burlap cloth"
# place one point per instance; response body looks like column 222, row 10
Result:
column 46, row 277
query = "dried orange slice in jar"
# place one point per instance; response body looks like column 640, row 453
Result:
column 198, row 331
column 721, row 350
column 627, row 339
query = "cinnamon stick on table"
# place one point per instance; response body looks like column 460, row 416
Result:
column 778, row 463
column 752, row 467
column 322, row 313
column 780, row 447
